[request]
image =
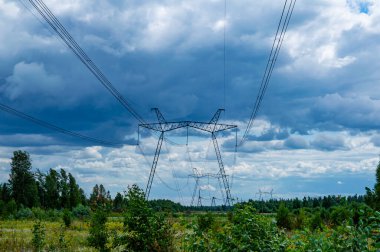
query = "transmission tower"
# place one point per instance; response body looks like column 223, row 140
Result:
column 212, row 127
column 198, row 176
column 261, row 193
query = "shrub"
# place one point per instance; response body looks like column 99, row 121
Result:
column 144, row 229
column 300, row 219
column 97, row 233
column 67, row 217
column 205, row 221
column 11, row 207
column 53, row 215
column 340, row 214
column 81, row 211
column 248, row 231
column 283, row 218
column 316, row 221
column 24, row 213
column 38, row 213
column 38, row 240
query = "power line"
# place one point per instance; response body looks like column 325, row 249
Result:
column 54, row 23
column 276, row 46
column 56, row 128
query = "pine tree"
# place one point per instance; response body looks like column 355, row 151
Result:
column 22, row 183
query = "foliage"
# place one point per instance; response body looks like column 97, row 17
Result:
column 283, row 218
column 340, row 214
column 81, row 211
column 98, row 233
column 144, row 229
column 118, row 203
column 22, row 183
column 24, row 213
column 316, row 221
column 38, row 240
column 100, row 197
column 164, row 205
column 372, row 197
column 205, row 221
column 67, row 218
column 11, row 207
column 248, row 231
column 344, row 237
column 300, row 219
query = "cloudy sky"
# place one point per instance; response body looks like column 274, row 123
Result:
column 317, row 131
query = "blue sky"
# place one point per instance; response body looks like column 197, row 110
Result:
column 316, row 133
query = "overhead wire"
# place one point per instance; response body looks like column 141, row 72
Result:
column 55, row 24
column 276, row 46
column 56, row 128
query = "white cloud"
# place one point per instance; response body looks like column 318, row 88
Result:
column 32, row 79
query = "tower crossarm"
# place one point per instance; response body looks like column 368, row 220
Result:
column 211, row 127
column 203, row 126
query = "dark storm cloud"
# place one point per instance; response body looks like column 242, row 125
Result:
column 329, row 143
column 296, row 142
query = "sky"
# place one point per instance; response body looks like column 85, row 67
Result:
column 317, row 131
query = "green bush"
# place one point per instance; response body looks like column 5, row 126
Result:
column 205, row 221
column 300, row 219
column 283, row 217
column 11, row 207
column 24, row 213
column 67, row 217
column 248, row 231
column 39, row 213
column 316, row 221
column 340, row 214
column 38, row 240
column 53, row 215
column 144, row 229
column 98, row 234
column 81, row 212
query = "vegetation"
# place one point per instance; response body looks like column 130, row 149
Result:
column 54, row 215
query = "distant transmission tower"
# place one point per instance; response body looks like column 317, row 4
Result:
column 198, row 176
column 263, row 193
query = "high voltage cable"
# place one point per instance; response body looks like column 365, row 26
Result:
column 276, row 46
column 56, row 128
column 54, row 23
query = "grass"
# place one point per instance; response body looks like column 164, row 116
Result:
column 17, row 236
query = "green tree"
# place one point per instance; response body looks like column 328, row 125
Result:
column 372, row 197
column 52, row 186
column 99, row 197
column 5, row 192
column 283, row 217
column 22, row 183
column 118, row 202
column 144, row 229
column 41, row 189
column 74, row 192
column 64, row 189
